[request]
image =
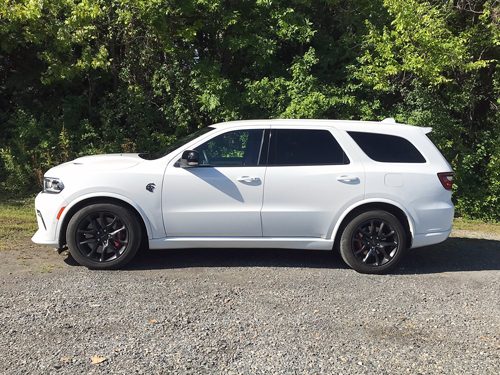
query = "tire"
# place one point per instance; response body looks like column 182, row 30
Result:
column 373, row 242
column 103, row 236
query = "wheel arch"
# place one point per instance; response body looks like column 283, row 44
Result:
column 87, row 201
column 398, row 212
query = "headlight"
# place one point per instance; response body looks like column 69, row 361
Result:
column 52, row 185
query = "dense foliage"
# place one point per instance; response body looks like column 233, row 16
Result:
column 92, row 76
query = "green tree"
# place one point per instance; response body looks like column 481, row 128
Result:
column 437, row 65
column 92, row 76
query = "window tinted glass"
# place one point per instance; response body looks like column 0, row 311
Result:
column 241, row 147
column 387, row 148
column 305, row 147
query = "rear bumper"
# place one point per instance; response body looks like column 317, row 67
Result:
column 430, row 238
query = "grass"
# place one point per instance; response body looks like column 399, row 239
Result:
column 476, row 225
column 48, row 268
column 17, row 219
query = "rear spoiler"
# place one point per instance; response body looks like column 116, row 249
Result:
column 391, row 120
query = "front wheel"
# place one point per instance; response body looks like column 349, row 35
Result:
column 373, row 242
column 103, row 236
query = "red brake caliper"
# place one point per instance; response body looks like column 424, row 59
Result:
column 120, row 234
column 358, row 244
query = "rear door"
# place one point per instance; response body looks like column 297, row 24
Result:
column 310, row 180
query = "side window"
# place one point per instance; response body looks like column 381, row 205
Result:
column 235, row 148
column 387, row 148
column 305, row 147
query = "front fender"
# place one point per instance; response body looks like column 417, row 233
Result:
column 69, row 210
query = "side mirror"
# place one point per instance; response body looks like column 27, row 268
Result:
column 190, row 158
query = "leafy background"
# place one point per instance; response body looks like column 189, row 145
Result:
column 79, row 77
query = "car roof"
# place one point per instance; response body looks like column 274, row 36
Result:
column 386, row 125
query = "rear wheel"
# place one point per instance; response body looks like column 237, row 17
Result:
column 373, row 242
column 103, row 236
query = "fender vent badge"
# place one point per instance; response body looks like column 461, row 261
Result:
column 151, row 187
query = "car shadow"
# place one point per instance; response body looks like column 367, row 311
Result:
column 185, row 258
column 454, row 255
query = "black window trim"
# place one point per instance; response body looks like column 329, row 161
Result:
column 268, row 146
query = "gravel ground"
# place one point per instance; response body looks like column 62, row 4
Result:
column 258, row 312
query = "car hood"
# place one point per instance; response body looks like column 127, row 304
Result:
column 97, row 163
column 110, row 161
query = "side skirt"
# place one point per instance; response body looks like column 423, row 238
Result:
column 305, row 243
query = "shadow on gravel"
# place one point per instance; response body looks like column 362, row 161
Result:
column 454, row 255
column 186, row 258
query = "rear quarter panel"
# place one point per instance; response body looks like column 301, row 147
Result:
column 414, row 186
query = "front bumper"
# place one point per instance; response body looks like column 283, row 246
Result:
column 47, row 207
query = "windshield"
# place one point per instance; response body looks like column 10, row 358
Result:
column 178, row 143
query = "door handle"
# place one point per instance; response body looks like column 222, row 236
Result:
column 345, row 178
column 248, row 179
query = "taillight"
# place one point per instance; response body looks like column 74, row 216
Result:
column 446, row 179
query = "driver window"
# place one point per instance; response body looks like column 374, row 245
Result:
column 235, row 148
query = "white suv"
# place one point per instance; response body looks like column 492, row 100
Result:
column 369, row 189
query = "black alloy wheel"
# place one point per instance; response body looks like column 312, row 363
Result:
column 373, row 242
column 103, row 236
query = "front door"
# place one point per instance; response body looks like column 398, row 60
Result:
column 223, row 195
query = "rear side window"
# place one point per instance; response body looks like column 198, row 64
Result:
column 305, row 147
column 387, row 148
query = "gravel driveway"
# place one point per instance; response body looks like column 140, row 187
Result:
column 258, row 312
